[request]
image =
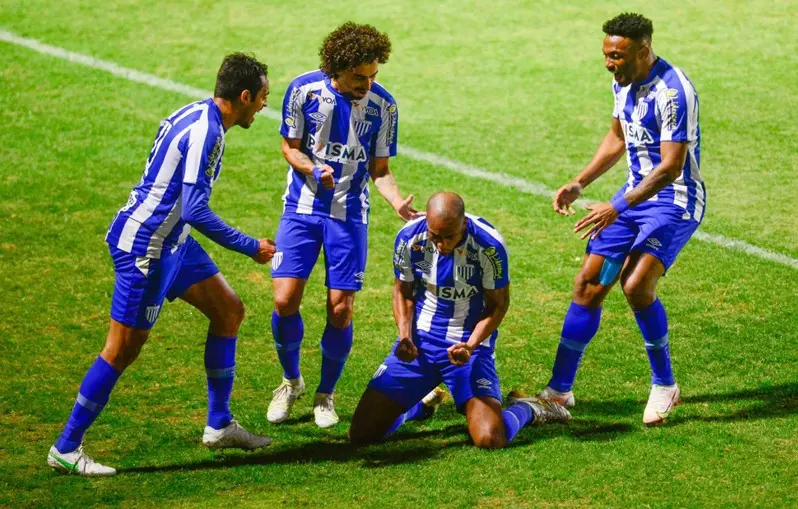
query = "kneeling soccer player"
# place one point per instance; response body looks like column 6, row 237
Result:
column 450, row 295
column 155, row 258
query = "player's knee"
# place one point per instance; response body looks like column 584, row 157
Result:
column 340, row 315
column 286, row 304
column 586, row 289
column 488, row 438
column 230, row 315
column 361, row 434
column 638, row 292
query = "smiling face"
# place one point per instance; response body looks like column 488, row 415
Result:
column 627, row 60
column 357, row 81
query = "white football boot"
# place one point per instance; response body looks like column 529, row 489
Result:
column 661, row 400
column 285, row 395
column 76, row 462
column 565, row 399
column 545, row 410
column 233, row 436
column 324, row 410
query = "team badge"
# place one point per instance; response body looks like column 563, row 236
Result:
column 152, row 313
column 277, row 260
column 362, row 127
column 464, row 272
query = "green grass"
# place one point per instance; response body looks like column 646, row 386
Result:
column 503, row 86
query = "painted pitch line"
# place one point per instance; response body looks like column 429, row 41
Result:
column 525, row 186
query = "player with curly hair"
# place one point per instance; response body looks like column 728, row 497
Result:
column 339, row 129
column 636, row 237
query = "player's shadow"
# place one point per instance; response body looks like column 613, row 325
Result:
column 766, row 402
column 375, row 456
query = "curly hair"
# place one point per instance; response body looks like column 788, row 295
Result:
column 239, row 72
column 634, row 26
column 351, row 45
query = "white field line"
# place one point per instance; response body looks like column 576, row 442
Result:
column 525, row 186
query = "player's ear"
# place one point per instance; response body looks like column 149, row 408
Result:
column 245, row 97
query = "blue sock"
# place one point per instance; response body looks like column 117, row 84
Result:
column 580, row 325
column 92, row 397
column 653, row 323
column 516, row 417
column 416, row 412
column 220, row 368
column 335, row 347
column 288, row 332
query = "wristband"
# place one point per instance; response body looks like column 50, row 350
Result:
column 317, row 174
column 620, row 204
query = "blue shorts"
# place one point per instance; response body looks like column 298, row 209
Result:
column 650, row 227
column 299, row 241
column 408, row 382
column 143, row 283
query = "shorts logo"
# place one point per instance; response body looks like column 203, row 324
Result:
column 362, row 127
column 380, row 371
column 359, row 276
column 484, row 383
column 151, row 313
column 464, row 272
column 424, row 266
column 653, row 243
column 277, row 260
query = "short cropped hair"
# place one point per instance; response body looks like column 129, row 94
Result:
column 239, row 72
column 351, row 45
column 631, row 25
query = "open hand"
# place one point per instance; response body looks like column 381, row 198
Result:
column 564, row 197
column 600, row 217
column 404, row 210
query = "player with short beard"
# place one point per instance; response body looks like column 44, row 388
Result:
column 156, row 259
column 339, row 129
column 636, row 237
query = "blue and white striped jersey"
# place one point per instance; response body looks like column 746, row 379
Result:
column 342, row 133
column 172, row 195
column 450, row 288
column 664, row 107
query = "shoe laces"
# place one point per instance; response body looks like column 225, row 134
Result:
column 661, row 396
column 326, row 403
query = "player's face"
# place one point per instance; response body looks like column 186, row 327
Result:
column 623, row 59
column 445, row 236
column 253, row 105
column 357, row 81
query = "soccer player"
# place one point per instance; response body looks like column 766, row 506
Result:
column 339, row 129
column 155, row 258
column 637, row 236
column 450, row 294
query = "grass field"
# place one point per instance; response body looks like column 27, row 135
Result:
column 504, row 86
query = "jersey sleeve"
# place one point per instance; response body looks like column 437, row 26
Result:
column 402, row 266
column 385, row 145
column 616, row 108
column 495, row 266
column 203, row 153
column 672, row 106
column 293, row 117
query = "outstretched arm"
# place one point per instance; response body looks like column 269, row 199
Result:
column 380, row 173
column 608, row 153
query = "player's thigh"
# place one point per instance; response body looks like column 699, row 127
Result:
column 298, row 243
column 375, row 414
column 485, row 422
column 345, row 252
column 476, row 379
column 216, row 299
column 663, row 232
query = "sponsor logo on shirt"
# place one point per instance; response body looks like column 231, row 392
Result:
column 495, row 261
column 424, row 266
column 322, row 98
column 636, row 133
column 215, row 157
column 392, row 124
column 670, row 108
column 371, row 110
column 400, row 252
column 292, row 107
column 338, row 152
column 453, row 293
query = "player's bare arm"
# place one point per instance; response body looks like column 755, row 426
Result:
column 380, row 172
column 403, row 313
column 607, row 154
column 497, row 302
column 292, row 151
column 604, row 214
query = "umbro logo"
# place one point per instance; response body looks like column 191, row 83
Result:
column 653, row 243
column 484, row 383
column 359, row 276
